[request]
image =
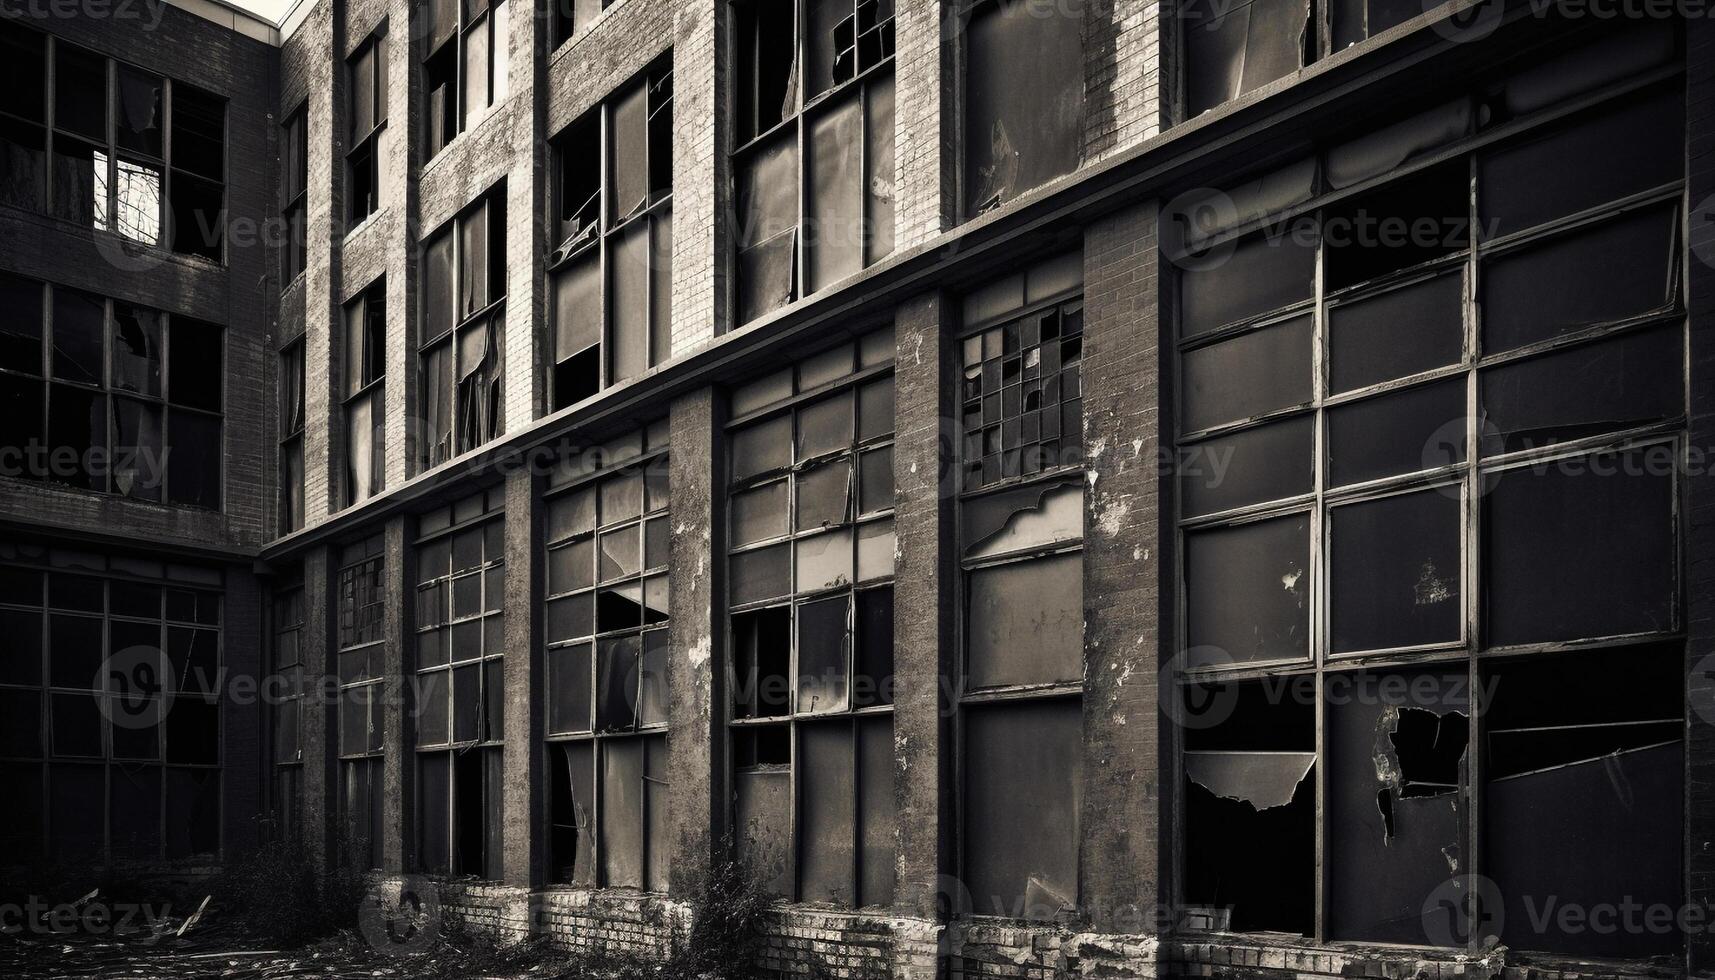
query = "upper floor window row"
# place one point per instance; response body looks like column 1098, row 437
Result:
column 110, row 145
column 464, row 73
column 611, row 267
column 813, row 151
column 109, row 396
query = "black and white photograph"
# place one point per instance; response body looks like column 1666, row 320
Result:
column 857, row 489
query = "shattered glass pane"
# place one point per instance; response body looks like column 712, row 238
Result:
column 1024, row 519
column 1606, row 386
column 824, row 648
column 760, row 514
column 1024, row 119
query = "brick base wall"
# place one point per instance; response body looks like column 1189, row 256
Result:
column 604, row 923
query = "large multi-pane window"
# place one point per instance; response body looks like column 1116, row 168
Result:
column 364, row 368
column 111, row 396
column 110, row 736
column 294, row 193
column 812, row 146
column 360, row 597
column 464, row 73
column 463, row 333
column 108, row 160
column 810, row 598
column 1020, row 536
column 1426, row 456
column 1023, row 97
column 461, row 581
column 606, row 619
column 366, row 117
column 292, row 433
column 611, row 267
column 285, row 700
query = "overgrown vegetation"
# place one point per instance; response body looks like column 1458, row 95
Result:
column 725, row 937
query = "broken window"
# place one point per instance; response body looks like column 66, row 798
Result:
column 365, row 367
column 606, row 596
column 1356, row 20
column 809, row 217
column 1022, row 393
column 196, row 182
column 465, row 67
column 1024, row 99
column 101, row 701
column 1386, row 546
column 1398, row 802
column 461, row 347
column 811, row 566
column 615, row 325
column 294, row 193
column 1234, row 49
column 1250, row 802
column 458, row 683
column 366, row 116
column 1583, row 754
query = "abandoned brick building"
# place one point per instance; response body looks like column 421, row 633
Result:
column 1059, row 488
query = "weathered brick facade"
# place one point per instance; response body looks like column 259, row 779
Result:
column 1137, row 153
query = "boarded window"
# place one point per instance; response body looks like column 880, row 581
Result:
column 1023, row 803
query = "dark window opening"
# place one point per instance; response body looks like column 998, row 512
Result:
column 1024, row 88
column 462, row 340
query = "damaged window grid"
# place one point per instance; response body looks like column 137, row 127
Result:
column 291, row 420
column 1294, row 557
column 135, row 392
column 145, row 638
column 459, row 693
column 360, row 600
column 811, row 616
column 465, row 67
column 463, row 332
column 813, row 146
column 1024, row 90
column 1022, row 677
column 610, row 265
column 606, row 618
column 365, row 369
column 366, row 117
column 286, row 669
column 1021, row 394
column 107, row 162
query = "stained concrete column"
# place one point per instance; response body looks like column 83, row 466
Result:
column 926, row 385
column 696, row 744
column 522, row 800
column 1126, row 542
column 319, row 715
column 398, row 723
